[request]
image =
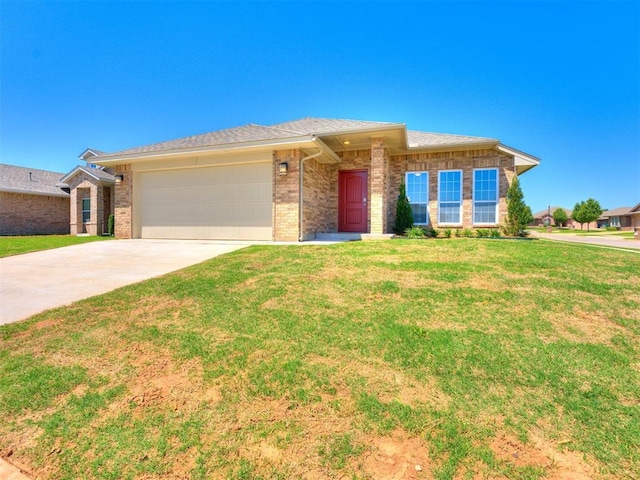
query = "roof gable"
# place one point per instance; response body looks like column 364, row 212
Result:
column 31, row 181
column 95, row 173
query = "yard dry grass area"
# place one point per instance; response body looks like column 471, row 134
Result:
column 462, row 358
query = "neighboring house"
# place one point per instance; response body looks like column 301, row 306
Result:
column 634, row 213
column 295, row 180
column 32, row 202
column 92, row 193
column 620, row 218
column 544, row 217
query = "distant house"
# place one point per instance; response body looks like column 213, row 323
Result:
column 623, row 218
column 545, row 217
column 92, row 196
column 32, row 202
column 40, row 202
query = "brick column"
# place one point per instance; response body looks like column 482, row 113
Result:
column 378, row 182
column 286, row 196
column 124, row 203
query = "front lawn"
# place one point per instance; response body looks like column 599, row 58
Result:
column 461, row 358
column 32, row 243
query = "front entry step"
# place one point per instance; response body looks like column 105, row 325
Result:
column 339, row 237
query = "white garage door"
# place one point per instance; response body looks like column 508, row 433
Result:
column 223, row 203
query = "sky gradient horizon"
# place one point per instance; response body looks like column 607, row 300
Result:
column 557, row 80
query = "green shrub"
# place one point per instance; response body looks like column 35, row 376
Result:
column 404, row 214
column 435, row 233
column 467, row 232
column 612, row 229
column 482, row 233
column 495, row 233
column 111, row 223
column 415, row 232
column 457, row 232
column 447, row 233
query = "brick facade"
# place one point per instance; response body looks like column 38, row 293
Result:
column 466, row 161
column 101, row 198
column 123, row 204
column 24, row 214
column 286, row 196
column 320, row 188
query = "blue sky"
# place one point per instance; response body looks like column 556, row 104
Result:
column 558, row 80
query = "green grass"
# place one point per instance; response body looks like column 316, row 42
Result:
column 466, row 356
column 25, row 244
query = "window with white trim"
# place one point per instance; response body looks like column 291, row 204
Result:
column 86, row 210
column 417, row 184
column 450, row 197
column 485, row 196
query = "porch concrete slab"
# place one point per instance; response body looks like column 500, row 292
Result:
column 34, row 282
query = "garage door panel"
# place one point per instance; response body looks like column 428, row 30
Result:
column 229, row 202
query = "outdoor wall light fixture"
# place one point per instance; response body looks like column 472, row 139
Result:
column 119, row 179
column 283, row 168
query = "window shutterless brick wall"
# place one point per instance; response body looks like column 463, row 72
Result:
column 466, row 161
column 22, row 214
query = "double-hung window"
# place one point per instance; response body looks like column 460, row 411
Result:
column 450, row 197
column 485, row 196
column 86, row 210
column 417, row 184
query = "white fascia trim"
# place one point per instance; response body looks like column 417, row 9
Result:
column 307, row 140
column 519, row 158
column 29, row 192
column 453, row 146
column 326, row 150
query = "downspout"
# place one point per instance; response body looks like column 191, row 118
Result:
column 301, row 203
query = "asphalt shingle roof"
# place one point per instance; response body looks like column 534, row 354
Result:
column 418, row 139
column 616, row 212
column 324, row 126
column 303, row 126
column 30, row 181
column 543, row 213
column 245, row 133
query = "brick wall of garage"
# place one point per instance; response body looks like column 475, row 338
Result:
column 22, row 214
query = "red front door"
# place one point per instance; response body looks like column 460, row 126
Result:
column 352, row 201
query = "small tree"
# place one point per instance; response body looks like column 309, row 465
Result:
column 111, row 222
column 560, row 217
column 518, row 213
column 586, row 212
column 404, row 214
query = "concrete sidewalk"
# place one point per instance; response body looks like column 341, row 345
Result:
column 34, row 282
column 601, row 241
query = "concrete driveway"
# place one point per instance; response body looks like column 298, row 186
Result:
column 34, row 282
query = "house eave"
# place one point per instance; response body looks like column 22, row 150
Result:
column 30, row 192
column 291, row 142
column 452, row 147
column 522, row 161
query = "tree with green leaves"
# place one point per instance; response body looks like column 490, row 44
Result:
column 586, row 212
column 404, row 214
column 560, row 217
column 518, row 212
